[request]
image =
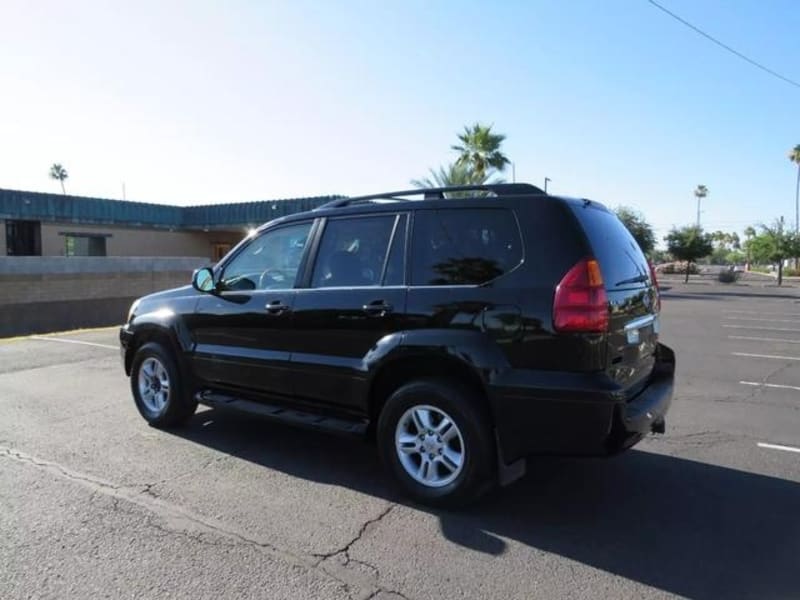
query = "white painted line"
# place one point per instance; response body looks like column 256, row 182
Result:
column 769, row 320
column 761, row 328
column 777, row 386
column 65, row 341
column 778, row 447
column 760, row 339
column 747, row 355
column 760, row 312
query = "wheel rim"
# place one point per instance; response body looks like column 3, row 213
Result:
column 154, row 385
column 429, row 446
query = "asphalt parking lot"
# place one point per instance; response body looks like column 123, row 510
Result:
column 94, row 503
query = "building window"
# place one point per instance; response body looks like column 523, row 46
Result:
column 218, row 251
column 23, row 238
column 84, row 245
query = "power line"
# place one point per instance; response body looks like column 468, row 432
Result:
column 725, row 46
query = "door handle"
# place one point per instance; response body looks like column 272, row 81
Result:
column 378, row 308
column 276, row 307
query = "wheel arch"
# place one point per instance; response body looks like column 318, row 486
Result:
column 162, row 331
column 399, row 370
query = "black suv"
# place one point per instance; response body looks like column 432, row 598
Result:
column 463, row 331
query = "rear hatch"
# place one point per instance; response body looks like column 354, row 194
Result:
column 632, row 294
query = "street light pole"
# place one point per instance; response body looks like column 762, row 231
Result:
column 546, row 180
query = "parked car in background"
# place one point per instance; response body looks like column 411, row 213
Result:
column 463, row 332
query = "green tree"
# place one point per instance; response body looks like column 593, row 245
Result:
column 480, row 150
column 794, row 156
column 700, row 192
column 57, row 171
column 640, row 229
column 688, row 244
column 775, row 244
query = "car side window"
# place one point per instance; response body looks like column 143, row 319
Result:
column 270, row 261
column 464, row 246
column 352, row 251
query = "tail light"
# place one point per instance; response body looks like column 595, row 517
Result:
column 657, row 301
column 581, row 302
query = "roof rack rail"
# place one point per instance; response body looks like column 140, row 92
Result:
column 499, row 189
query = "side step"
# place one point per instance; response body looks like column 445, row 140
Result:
column 285, row 415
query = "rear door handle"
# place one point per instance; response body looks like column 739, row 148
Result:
column 276, row 307
column 378, row 308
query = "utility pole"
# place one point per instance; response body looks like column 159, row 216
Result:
column 513, row 173
column 546, row 181
column 123, row 190
column 698, row 212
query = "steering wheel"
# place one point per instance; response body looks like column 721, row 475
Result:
column 271, row 275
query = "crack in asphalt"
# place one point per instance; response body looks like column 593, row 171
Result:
column 178, row 520
column 346, row 548
column 344, row 552
column 57, row 469
column 147, row 487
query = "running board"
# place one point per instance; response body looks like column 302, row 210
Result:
column 284, row 415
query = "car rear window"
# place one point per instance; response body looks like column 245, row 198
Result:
column 621, row 260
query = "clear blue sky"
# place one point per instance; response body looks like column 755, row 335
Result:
column 203, row 102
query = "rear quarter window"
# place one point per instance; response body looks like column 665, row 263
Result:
column 621, row 260
column 464, row 246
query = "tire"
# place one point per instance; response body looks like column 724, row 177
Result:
column 445, row 481
column 158, row 390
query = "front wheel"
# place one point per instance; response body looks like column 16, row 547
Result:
column 434, row 436
column 157, row 387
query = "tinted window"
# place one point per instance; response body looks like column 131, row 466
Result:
column 621, row 260
column 352, row 252
column 396, row 265
column 464, row 246
column 268, row 262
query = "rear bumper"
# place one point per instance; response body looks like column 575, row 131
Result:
column 578, row 414
column 645, row 413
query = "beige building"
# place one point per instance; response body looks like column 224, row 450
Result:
column 34, row 224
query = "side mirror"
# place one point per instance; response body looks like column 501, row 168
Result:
column 203, row 280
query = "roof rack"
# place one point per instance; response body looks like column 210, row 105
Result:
column 498, row 189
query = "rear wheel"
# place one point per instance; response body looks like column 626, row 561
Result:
column 158, row 391
column 434, row 436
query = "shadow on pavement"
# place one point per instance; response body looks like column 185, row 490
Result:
column 686, row 527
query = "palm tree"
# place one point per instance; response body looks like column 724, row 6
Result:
column 57, row 171
column 452, row 174
column 700, row 191
column 794, row 156
column 480, row 150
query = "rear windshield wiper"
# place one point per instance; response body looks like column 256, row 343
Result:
column 638, row 279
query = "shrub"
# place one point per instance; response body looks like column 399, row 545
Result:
column 678, row 267
column 728, row 276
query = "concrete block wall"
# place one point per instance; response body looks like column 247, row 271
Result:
column 45, row 294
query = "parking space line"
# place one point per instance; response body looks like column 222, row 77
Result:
column 65, row 341
column 748, row 355
column 762, row 328
column 778, row 386
column 762, row 339
column 769, row 320
column 760, row 312
column 778, row 447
